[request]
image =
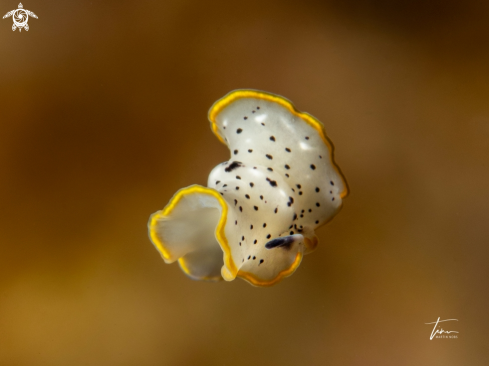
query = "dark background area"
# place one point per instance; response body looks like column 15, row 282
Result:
column 103, row 110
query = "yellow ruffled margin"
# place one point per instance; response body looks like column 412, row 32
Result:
column 251, row 278
column 234, row 95
column 220, row 237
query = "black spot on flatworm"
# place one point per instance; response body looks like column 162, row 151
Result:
column 250, row 150
column 239, row 130
column 276, row 209
column 251, row 227
column 240, row 209
column 298, row 186
column 218, row 181
column 317, row 189
column 272, row 138
column 269, row 236
column 225, row 185
column 287, row 149
column 313, row 167
column 332, row 183
column 261, row 261
column 236, row 222
column 238, row 177
column 233, row 165
column 235, row 152
column 256, row 208
column 307, row 137
column 284, row 242
column 287, row 166
column 270, row 169
column 269, row 156
column 245, row 117
column 242, row 238
column 247, row 196
column 272, row 182
column 332, row 199
column 291, row 202
column 317, row 222
column 262, row 124
column 256, row 241
column 265, row 224
column 317, row 204
column 261, row 197
column 295, row 217
column 252, row 184
column 300, row 193
column 286, row 175
column 237, row 188
column 235, row 202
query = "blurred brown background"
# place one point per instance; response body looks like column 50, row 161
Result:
column 104, row 116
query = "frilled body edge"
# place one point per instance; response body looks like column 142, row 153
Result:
column 186, row 249
column 255, row 281
column 191, row 230
column 234, row 95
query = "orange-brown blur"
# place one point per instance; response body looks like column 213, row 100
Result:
column 103, row 110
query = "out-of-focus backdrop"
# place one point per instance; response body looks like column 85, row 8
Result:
column 103, row 116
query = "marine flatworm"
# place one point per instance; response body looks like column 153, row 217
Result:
column 219, row 233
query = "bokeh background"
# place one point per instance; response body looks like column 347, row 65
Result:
column 104, row 116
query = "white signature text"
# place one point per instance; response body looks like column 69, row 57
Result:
column 441, row 331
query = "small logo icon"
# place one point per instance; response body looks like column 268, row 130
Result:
column 440, row 333
column 20, row 17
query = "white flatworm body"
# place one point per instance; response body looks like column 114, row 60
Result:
column 257, row 217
